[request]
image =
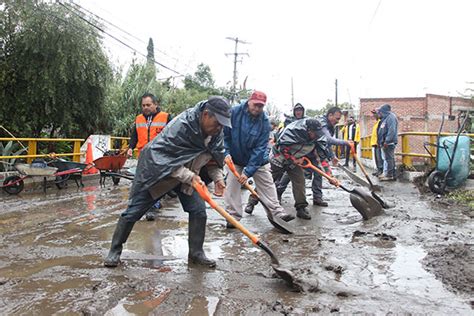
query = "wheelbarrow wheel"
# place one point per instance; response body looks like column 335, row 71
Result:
column 61, row 181
column 115, row 180
column 436, row 182
column 13, row 188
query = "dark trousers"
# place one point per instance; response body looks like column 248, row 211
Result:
column 378, row 159
column 140, row 202
column 316, row 182
column 348, row 155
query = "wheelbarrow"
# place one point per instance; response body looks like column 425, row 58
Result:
column 452, row 160
column 63, row 165
column 110, row 165
column 15, row 184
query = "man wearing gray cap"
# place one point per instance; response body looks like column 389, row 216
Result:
column 173, row 160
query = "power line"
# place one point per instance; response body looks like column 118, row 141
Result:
column 118, row 40
column 120, row 29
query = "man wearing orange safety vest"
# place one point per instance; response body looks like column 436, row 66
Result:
column 147, row 126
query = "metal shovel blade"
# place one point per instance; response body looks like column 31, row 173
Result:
column 365, row 204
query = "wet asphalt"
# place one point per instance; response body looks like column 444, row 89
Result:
column 53, row 244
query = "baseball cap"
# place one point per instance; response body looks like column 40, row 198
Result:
column 220, row 107
column 258, row 97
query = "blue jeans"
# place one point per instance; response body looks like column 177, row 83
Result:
column 140, row 202
column 388, row 156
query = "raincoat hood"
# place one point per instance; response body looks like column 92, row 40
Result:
column 298, row 106
column 180, row 142
column 384, row 110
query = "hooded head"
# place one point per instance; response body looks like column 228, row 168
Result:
column 298, row 111
column 384, row 110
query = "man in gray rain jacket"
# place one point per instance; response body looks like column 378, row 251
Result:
column 173, row 160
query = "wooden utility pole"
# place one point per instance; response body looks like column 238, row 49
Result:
column 236, row 55
column 292, row 94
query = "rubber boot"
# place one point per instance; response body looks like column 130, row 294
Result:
column 122, row 231
column 197, row 232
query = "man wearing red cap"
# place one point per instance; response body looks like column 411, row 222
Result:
column 246, row 144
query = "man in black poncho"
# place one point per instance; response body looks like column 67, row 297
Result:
column 173, row 160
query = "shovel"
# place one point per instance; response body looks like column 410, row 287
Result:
column 277, row 222
column 375, row 196
column 285, row 274
column 364, row 203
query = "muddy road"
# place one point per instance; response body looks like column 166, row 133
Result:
column 416, row 258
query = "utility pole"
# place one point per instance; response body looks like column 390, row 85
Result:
column 336, row 94
column 292, row 94
column 236, row 55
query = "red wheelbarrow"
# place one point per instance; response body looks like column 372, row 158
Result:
column 110, row 165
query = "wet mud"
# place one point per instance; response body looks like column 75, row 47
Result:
column 415, row 258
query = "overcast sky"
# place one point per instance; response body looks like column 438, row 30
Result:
column 375, row 48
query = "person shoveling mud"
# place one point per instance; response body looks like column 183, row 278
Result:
column 173, row 160
column 246, row 150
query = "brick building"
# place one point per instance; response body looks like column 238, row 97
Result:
column 423, row 114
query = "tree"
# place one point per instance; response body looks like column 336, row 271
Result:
column 329, row 104
column 53, row 71
column 201, row 81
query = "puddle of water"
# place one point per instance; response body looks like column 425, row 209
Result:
column 202, row 305
column 406, row 275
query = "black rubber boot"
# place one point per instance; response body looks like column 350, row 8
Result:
column 122, row 231
column 197, row 232
column 302, row 212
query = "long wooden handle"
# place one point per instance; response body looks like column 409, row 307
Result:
column 232, row 168
column 201, row 189
column 361, row 166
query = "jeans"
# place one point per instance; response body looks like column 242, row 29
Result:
column 388, row 156
column 378, row 159
column 140, row 202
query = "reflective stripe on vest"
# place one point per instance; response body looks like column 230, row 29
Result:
column 147, row 132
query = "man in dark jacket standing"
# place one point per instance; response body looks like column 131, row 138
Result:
column 173, row 160
column 387, row 139
column 246, row 144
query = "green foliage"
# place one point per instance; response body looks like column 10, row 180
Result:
column 10, row 149
column 53, row 72
column 201, row 81
column 464, row 197
column 329, row 104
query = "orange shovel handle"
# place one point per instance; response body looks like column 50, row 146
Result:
column 307, row 164
column 232, row 169
column 201, row 189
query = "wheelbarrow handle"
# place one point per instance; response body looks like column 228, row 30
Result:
column 308, row 165
column 201, row 189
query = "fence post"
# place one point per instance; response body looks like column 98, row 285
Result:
column 31, row 150
column 433, row 150
column 77, row 151
column 406, row 160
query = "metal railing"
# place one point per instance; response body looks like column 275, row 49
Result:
column 33, row 148
column 366, row 149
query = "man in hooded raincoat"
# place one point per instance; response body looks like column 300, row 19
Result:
column 173, row 160
column 387, row 138
column 298, row 140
